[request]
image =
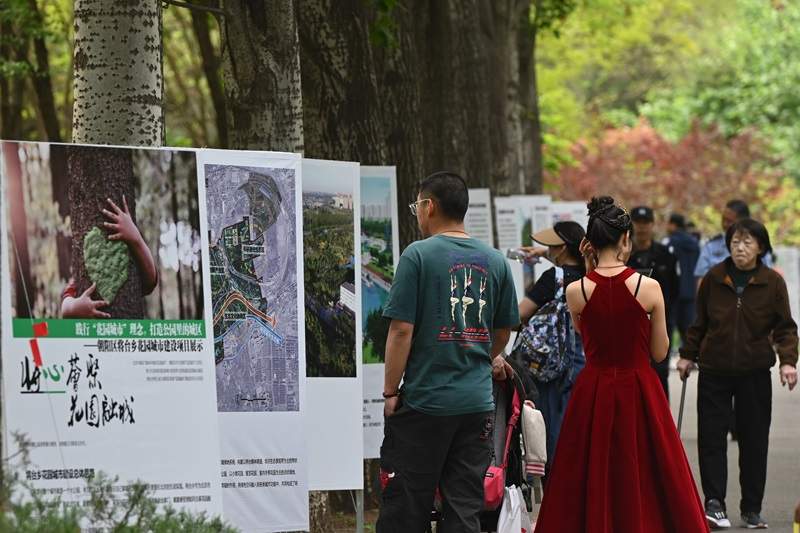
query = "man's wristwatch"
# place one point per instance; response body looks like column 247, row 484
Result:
column 394, row 394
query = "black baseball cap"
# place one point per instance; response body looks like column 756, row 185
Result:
column 642, row 214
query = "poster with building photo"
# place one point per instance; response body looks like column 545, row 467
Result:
column 331, row 246
column 108, row 366
column 380, row 251
column 254, row 214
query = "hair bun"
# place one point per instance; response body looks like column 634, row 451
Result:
column 599, row 204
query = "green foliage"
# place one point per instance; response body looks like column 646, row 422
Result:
column 608, row 58
column 376, row 330
column 383, row 31
column 749, row 82
column 106, row 263
column 328, row 247
column 24, row 510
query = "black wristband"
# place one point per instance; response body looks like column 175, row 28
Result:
column 392, row 395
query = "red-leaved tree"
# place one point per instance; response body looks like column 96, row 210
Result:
column 695, row 176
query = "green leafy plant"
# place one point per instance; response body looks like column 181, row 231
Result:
column 106, row 263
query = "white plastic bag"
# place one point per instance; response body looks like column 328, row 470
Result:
column 525, row 517
column 510, row 520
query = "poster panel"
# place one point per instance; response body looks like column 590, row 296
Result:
column 255, row 232
column 107, row 360
column 509, row 222
column 478, row 221
column 575, row 211
column 788, row 264
column 380, row 252
column 536, row 216
column 331, row 239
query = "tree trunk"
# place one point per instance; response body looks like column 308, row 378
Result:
column 118, row 73
column 529, row 99
column 11, row 86
column 59, row 187
column 211, row 69
column 261, row 69
column 96, row 174
column 24, row 290
column 42, row 84
column 342, row 110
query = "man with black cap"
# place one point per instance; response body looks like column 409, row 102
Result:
column 657, row 261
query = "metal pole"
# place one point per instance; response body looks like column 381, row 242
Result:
column 683, row 401
column 359, row 511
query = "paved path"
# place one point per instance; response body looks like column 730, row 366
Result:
column 783, row 478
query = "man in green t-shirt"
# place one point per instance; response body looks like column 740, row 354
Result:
column 452, row 307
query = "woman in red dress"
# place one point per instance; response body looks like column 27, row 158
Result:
column 619, row 465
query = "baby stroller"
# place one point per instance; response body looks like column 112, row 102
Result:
column 509, row 396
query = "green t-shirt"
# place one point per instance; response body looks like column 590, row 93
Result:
column 455, row 291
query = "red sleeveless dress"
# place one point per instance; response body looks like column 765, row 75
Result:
column 620, row 466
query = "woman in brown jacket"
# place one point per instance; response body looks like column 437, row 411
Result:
column 743, row 319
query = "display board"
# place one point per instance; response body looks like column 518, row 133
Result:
column 256, row 304
column 380, row 252
column 509, row 221
column 788, row 264
column 575, row 211
column 331, row 254
column 108, row 363
column 478, row 221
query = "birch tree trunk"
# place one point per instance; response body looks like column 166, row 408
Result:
column 261, row 70
column 118, row 79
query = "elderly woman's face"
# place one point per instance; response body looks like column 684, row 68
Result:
column 744, row 250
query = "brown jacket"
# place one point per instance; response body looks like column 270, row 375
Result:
column 735, row 334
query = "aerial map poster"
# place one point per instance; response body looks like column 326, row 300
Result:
column 108, row 363
column 380, row 251
column 254, row 213
column 331, row 237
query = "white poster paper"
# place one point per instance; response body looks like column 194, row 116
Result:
column 380, row 252
column 508, row 215
column 575, row 211
column 254, row 204
column 332, row 257
column 536, row 216
column 788, row 264
column 125, row 389
column 478, row 221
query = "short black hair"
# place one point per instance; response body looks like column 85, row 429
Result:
column 450, row 192
column 678, row 219
column 751, row 227
column 573, row 234
column 739, row 207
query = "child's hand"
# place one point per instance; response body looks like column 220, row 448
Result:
column 83, row 306
column 122, row 223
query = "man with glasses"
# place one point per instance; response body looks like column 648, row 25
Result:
column 452, row 307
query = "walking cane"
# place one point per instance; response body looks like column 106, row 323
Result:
column 683, row 401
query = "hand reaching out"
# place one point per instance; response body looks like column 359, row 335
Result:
column 83, row 306
column 122, row 223
column 124, row 229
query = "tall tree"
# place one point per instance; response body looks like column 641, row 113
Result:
column 118, row 100
column 211, row 68
column 118, row 76
column 261, row 69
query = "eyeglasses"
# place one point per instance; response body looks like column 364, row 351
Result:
column 415, row 205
